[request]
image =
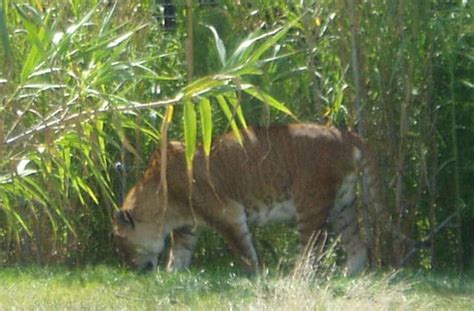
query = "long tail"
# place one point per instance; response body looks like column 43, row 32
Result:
column 373, row 213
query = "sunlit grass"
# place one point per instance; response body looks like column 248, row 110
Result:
column 108, row 288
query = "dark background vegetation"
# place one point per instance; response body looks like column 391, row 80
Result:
column 76, row 130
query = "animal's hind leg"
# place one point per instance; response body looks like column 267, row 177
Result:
column 311, row 218
column 343, row 218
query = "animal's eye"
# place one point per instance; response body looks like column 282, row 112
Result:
column 124, row 218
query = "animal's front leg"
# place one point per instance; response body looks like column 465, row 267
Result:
column 183, row 241
column 231, row 223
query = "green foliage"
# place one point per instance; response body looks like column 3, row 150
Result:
column 68, row 67
column 70, row 114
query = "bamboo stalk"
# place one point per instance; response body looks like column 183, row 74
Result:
column 455, row 151
column 360, row 128
column 432, row 168
column 356, row 70
column 311, row 44
column 189, row 39
column 403, row 127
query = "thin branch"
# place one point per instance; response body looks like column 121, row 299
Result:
column 87, row 114
column 131, row 105
column 424, row 241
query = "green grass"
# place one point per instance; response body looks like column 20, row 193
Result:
column 108, row 288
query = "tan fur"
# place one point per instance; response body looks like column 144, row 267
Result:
column 305, row 169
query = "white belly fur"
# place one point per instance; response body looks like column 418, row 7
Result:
column 275, row 212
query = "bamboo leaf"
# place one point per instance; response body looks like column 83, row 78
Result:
column 99, row 177
column 228, row 113
column 38, row 36
column 4, row 36
column 32, row 29
column 75, row 186
column 163, row 150
column 64, row 45
column 269, row 100
column 82, row 184
column 244, row 50
column 237, row 108
column 468, row 84
column 22, row 170
column 31, row 61
column 44, row 86
column 245, row 69
column 219, row 44
column 245, row 47
column 204, row 85
column 205, row 111
column 189, row 125
column 22, row 223
column 270, row 42
column 33, row 189
column 250, row 52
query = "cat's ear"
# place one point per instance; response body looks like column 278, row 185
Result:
column 124, row 218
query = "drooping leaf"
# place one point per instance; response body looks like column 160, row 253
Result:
column 189, row 126
column 85, row 187
column 230, row 117
column 236, row 107
column 163, row 150
column 205, row 111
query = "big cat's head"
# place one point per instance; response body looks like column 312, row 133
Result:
column 139, row 237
